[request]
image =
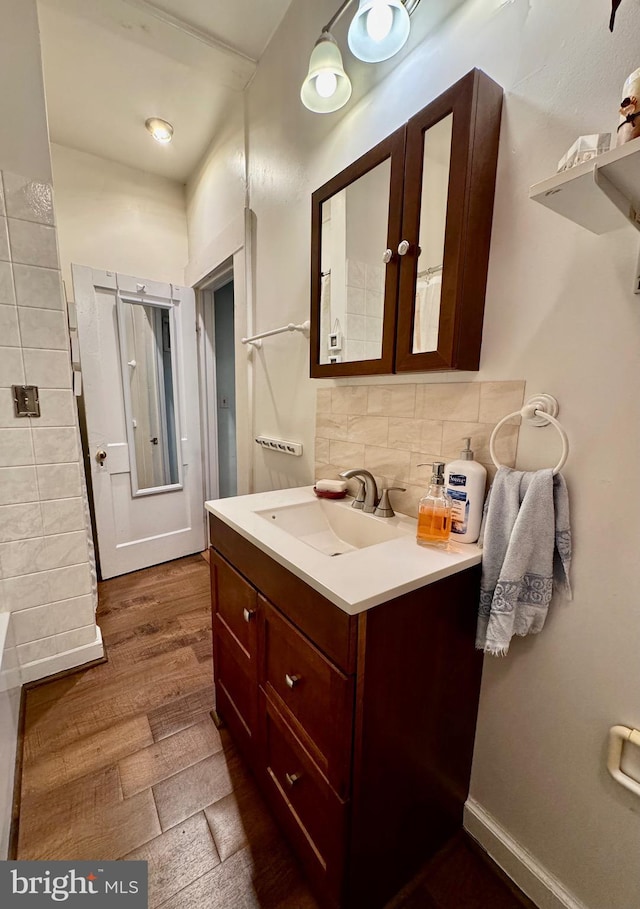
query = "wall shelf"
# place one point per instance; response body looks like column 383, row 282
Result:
column 601, row 195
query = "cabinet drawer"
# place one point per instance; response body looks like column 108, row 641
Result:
column 234, row 603
column 316, row 697
column 236, row 694
column 305, row 804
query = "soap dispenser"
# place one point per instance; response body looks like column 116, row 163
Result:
column 434, row 511
column 465, row 484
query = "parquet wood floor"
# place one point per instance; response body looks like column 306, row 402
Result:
column 123, row 761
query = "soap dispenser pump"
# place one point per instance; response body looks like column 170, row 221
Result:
column 465, row 484
column 434, row 511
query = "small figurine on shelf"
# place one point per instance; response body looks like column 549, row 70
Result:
column 629, row 127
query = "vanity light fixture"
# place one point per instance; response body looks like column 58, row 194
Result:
column 327, row 86
column 378, row 30
column 161, row 130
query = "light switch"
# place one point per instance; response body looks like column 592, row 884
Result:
column 25, row 399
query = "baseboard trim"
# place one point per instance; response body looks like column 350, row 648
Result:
column 61, row 662
column 536, row 882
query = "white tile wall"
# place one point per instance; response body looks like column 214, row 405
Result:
column 45, row 580
column 394, row 430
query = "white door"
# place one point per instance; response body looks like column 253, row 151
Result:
column 140, row 386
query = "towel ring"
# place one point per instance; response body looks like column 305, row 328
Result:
column 540, row 410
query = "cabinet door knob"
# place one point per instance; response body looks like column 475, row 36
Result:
column 292, row 680
column 292, row 778
column 248, row 614
column 403, row 247
column 387, row 256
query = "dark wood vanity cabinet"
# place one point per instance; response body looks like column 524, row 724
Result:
column 359, row 729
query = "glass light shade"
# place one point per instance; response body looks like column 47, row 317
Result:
column 378, row 30
column 161, row 130
column 327, row 86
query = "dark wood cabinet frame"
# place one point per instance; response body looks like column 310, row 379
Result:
column 476, row 104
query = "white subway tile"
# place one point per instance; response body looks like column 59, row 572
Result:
column 356, row 328
column 34, row 623
column 66, row 583
column 33, row 244
column 57, row 408
column 39, row 287
column 18, row 485
column 65, row 549
column 48, row 368
column 9, row 331
column 7, row 296
column 55, row 446
column 355, row 273
column 11, row 367
column 28, row 590
column 43, row 328
column 20, row 522
column 16, row 448
column 58, row 481
column 69, row 640
column 73, row 613
column 21, row 557
column 27, row 199
column 37, row 650
column 355, row 300
column 4, row 240
column 62, row 516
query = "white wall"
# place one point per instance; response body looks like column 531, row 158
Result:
column 559, row 314
column 116, row 218
column 24, row 139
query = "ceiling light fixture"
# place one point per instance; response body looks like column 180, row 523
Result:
column 161, row 130
column 378, row 30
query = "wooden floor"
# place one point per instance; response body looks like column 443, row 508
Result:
column 123, row 761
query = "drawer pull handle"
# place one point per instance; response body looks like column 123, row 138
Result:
column 292, row 778
column 248, row 614
column 292, row 680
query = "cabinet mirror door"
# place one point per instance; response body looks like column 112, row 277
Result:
column 355, row 233
column 451, row 156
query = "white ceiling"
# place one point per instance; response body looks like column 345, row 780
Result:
column 110, row 64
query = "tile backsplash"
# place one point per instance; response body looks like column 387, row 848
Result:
column 45, row 570
column 397, row 431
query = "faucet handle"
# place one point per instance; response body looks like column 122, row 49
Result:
column 384, row 509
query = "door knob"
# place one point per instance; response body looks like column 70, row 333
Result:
column 154, row 440
column 403, row 247
column 101, row 456
column 387, row 256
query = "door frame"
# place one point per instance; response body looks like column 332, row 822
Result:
column 228, row 256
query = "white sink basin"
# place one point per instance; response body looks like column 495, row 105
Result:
column 333, row 528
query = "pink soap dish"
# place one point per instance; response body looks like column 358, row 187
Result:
column 327, row 494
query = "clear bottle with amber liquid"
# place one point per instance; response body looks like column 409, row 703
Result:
column 434, row 512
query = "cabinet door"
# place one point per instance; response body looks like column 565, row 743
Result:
column 235, row 603
column 450, row 169
column 355, row 229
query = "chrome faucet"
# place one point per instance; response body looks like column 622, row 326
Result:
column 371, row 497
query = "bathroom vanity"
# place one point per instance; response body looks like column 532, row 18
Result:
column 349, row 683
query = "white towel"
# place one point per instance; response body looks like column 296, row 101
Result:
column 526, row 541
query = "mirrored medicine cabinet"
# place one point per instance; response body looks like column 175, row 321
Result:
column 400, row 243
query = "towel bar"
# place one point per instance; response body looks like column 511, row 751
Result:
column 540, row 410
column 618, row 735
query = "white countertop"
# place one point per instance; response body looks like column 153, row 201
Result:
column 356, row 580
